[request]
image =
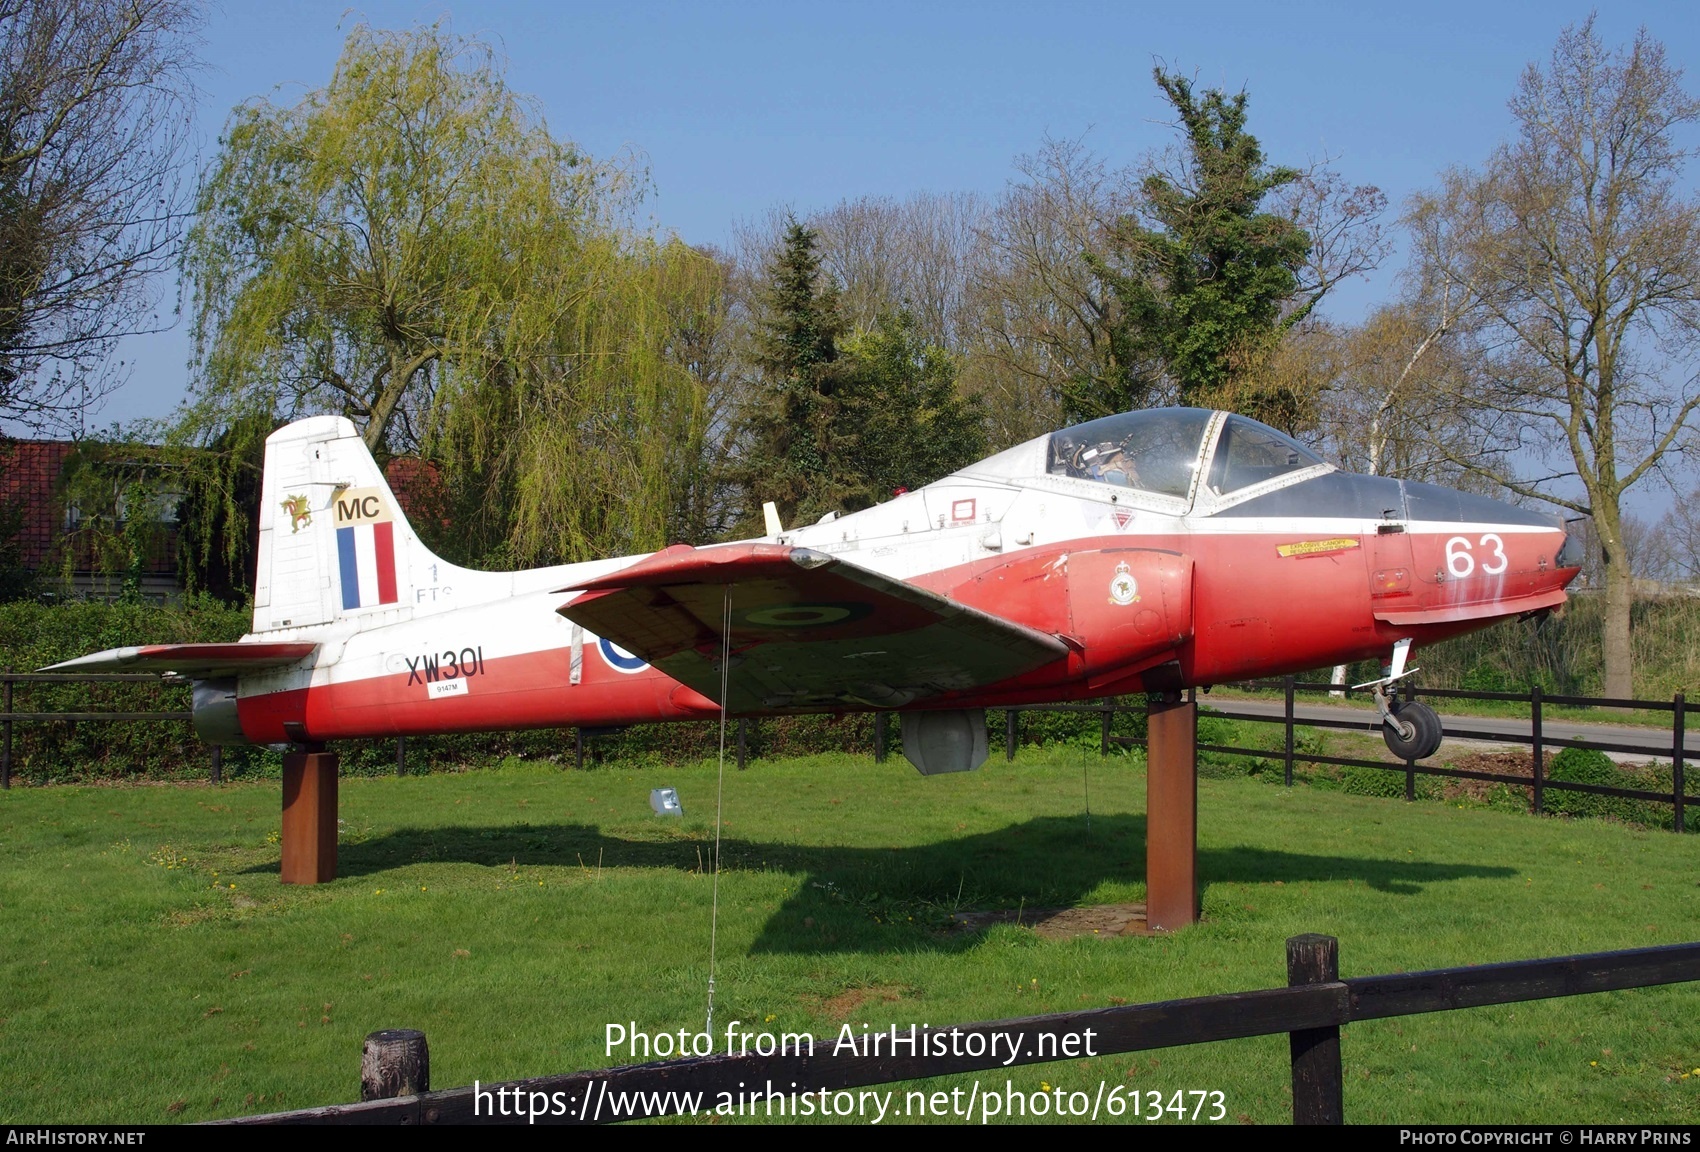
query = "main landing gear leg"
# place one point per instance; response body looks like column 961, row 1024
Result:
column 309, row 817
column 1412, row 730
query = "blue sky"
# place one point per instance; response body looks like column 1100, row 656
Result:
column 738, row 107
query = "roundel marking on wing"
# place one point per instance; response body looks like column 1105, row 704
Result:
column 618, row 658
column 804, row 615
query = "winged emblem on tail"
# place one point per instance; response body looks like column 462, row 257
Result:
column 300, row 516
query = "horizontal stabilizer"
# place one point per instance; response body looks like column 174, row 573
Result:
column 202, row 661
column 808, row 630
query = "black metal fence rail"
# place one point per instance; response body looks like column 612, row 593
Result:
column 10, row 717
column 1537, row 741
column 1107, row 710
column 1311, row 1010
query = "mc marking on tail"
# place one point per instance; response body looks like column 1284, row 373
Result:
column 365, row 547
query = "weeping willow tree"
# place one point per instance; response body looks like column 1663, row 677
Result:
column 411, row 248
column 597, row 446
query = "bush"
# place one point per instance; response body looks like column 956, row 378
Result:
column 1074, row 729
column 1589, row 766
column 1486, row 678
column 1385, row 782
column 33, row 635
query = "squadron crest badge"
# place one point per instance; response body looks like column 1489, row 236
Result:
column 1124, row 589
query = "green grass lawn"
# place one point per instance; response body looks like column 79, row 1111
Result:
column 152, row 967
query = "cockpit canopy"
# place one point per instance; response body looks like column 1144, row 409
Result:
column 1158, row 451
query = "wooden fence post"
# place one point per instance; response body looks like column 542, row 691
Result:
column 1538, row 801
column 218, row 763
column 1317, row 1087
column 394, row 1062
column 1289, row 687
column 401, row 755
column 578, row 748
column 743, row 742
column 6, row 730
column 1678, row 739
column 1104, row 728
column 882, row 735
column 1011, row 732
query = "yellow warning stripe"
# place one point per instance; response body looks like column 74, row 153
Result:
column 1315, row 547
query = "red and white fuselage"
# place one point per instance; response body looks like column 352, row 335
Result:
column 1174, row 548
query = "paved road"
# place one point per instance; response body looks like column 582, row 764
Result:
column 1631, row 742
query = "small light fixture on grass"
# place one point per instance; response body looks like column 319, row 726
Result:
column 665, row 802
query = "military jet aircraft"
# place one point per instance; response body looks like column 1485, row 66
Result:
column 1146, row 552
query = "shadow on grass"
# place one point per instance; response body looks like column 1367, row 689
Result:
column 855, row 897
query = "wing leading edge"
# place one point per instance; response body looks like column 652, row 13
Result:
column 807, row 629
column 202, row 661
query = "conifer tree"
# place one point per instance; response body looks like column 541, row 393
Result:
column 1203, row 273
column 789, row 455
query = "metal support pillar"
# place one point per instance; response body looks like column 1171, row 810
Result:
column 309, row 817
column 1171, row 815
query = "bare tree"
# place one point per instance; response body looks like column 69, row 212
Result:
column 1390, row 407
column 1044, row 323
column 95, row 102
column 1344, row 223
column 1583, row 261
column 1678, row 535
column 908, row 255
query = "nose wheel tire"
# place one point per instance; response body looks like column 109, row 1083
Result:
column 1418, row 735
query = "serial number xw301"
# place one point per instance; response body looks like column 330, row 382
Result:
column 448, row 665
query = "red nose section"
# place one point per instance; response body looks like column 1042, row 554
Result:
column 1461, row 579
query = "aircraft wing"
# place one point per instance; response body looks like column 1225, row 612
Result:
column 807, row 629
column 201, row 661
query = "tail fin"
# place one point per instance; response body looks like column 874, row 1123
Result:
column 333, row 540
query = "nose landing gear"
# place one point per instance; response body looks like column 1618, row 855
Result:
column 1412, row 730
